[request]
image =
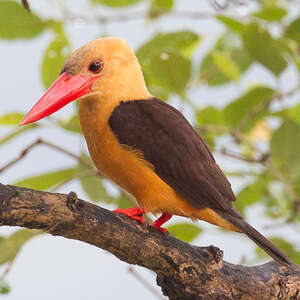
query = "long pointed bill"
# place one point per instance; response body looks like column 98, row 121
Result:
column 64, row 90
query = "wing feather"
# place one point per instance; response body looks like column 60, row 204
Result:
column 177, row 152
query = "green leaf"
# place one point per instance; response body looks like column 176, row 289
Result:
column 184, row 42
column 285, row 149
column 230, row 47
column 172, row 70
column 249, row 108
column 11, row 119
column 224, row 62
column 124, row 201
column 298, row 63
column 71, row 124
column 278, row 204
column 4, row 287
column 47, row 180
column 162, row 4
column 269, row 3
column 285, row 246
column 54, row 58
column 16, row 22
column 232, row 24
column 116, row 3
column 294, row 113
column 16, row 132
column 184, row 231
column 263, row 48
column 250, row 195
column 272, row 13
column 210, row 115
column 293, row 30
column 159, row 52
column 10, row 247
column 157, row 89
column 159, row 7
column 157, row 55
column 2, row 239
column 93, row 184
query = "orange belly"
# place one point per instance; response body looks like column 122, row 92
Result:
column 130, row 171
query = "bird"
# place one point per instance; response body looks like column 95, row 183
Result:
column 143, row 144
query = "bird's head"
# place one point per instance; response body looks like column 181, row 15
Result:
column 106, row 67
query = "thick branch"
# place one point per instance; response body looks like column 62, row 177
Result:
column 183, row 271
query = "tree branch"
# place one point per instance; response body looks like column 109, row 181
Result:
column 183, row 271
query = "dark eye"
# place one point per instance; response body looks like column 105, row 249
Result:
column 96, row 66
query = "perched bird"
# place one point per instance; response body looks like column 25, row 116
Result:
column 143, row 144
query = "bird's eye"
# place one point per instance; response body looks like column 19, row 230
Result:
column 96, row 66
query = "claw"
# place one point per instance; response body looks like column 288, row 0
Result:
column 134, row 213
column 161, row 229
column 161, row 220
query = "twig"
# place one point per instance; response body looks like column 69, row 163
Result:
column 8, row 268
column 212, row 128
column 51, row 145
column 292, row 92
column 144, row 282
column 137, row 16
column 21, row 156
column 261, row 160
column 67, row 152
column 26, row 5
column 218, row 6
column 290, row 191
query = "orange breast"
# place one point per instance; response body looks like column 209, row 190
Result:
column 129, row 170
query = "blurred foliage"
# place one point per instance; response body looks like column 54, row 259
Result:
column 166, row 62
column 55, row 56
column 11, row 119
column 116, row 3
column 16, row 22
column 4, row 287
column 262, row 121
column 16, row 132
column 92, row 184
column 10, row 246
column 283, row 244
column 184, row 231
column 48, row 180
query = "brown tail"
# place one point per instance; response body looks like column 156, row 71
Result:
column 257, row 238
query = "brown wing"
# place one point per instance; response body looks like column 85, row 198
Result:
column 178, row 154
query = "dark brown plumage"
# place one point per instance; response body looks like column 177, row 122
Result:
column 179, row 155
column 181, row 158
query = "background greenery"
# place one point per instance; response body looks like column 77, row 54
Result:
column 259, row 127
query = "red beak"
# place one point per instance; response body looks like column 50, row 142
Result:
column 65, row 89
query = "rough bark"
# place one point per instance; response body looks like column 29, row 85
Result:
column 183, row 271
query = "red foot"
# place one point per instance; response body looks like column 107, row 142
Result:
column 133, row 212
column 161, row 220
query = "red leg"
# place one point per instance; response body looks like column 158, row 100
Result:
column 161, row 220
column 133, row 212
